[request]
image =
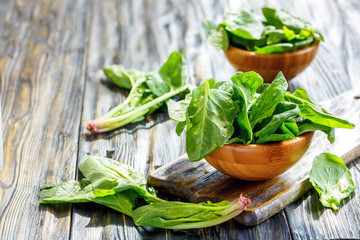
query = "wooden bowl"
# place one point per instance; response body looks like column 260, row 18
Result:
column 269, row 65
column 257, row 162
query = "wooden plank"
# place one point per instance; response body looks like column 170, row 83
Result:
column 1, row 142
column 151, row 142
column 42, row 52
column 4, row 6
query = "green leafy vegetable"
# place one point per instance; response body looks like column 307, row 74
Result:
column 178, row 109
column 276, row 137
column 308, row 126
column 268, row 100
column 146, row 95
column 245, row 111
column 245, row 85
column 216, row 35
column 211, row 111
column 275, row 48
column 123, row 189
column 179, row 215
column 124, row 78
column 273, row 35
column 106, row 182
column 283, row 111
column 280, row 18
column 331, row 179
column 314, row 112
column 244, row 24
column 279, row 32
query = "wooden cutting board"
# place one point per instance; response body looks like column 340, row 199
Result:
column 199, row 181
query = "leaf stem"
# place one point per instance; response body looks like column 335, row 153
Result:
column 107, row 124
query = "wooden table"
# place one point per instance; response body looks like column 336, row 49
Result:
column 51, row 55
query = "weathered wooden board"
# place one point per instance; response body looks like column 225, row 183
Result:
column 42, row 82
column 198, row 181
column 1, row 141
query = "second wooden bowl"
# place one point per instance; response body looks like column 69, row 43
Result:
column 256, row 162
column 269, row 65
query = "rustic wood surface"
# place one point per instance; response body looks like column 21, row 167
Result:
column 51, row 54
column 1, row 142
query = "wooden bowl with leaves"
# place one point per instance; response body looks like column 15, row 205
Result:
column 255, row 162
column 269, row 65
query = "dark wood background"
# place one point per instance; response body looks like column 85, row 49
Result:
column 51, row 55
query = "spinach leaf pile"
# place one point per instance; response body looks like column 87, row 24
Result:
column 122, row 188
column 278, row 32
column 149, row 92
column 246, row 111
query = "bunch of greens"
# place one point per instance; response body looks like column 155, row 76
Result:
column 279, row 32
column 148, row 92
column 246, row 111
column 122, row 188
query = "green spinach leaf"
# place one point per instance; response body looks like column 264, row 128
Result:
column 275, row 137
column 314, row 112
column 281, row 32
column 124, row 78
column 122, row 188
column 265, row 105
column 275, row 48
column 308, row 126
column 177, row 110
column 280, row 18
column 106, row 182
column 245, row 86
column 216, row 35
column 211, row 112
column 292, row 127
column 170, row 77
column 331, row 179
column 146, row 96
column 244, row 24
column 274, row 36
column 179, row 215
column 283, row 111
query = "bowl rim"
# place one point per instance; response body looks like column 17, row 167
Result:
column 299, row 51
column 271, row 144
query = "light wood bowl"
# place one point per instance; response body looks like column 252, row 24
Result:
column 257, row 162
column 269, row 65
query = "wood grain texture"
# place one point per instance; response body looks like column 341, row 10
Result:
column 42, row 53
column 1, row 141
column 51, row 53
